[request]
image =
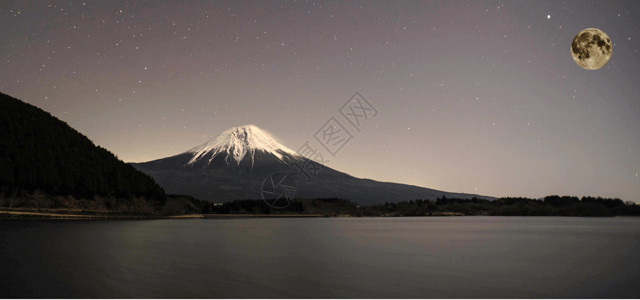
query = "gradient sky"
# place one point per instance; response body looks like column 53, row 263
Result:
column 472, row 96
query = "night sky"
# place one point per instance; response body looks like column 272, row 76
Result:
column 476, row 97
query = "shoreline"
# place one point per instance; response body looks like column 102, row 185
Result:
column 21, row 215
column 29, row 215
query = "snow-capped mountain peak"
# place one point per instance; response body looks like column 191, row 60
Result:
column 237, row 142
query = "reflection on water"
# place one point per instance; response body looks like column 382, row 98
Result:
column 462, row 257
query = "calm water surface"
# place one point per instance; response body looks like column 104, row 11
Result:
column 467, row 257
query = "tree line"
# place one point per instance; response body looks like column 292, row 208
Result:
column 442, row 206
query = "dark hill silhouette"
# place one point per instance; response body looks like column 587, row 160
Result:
column 42, row 154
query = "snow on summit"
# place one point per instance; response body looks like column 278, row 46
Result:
column 236, row 142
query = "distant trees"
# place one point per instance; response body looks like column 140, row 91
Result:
column 508, row 206
column 252, row 207
column 558, row 201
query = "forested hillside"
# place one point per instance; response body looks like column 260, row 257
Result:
column 40, row 153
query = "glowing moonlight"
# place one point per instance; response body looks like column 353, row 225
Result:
column 591, row 48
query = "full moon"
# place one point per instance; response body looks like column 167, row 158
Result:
column 591, row 48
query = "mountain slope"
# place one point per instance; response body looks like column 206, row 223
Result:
column 39, row 152
column 235, row 165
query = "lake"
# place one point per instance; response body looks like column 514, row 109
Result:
column 428, row 257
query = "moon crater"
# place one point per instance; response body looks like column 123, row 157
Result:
column 591, row 48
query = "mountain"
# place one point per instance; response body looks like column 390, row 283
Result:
column 246, row 163
column 42, row 154
column 238, row 142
